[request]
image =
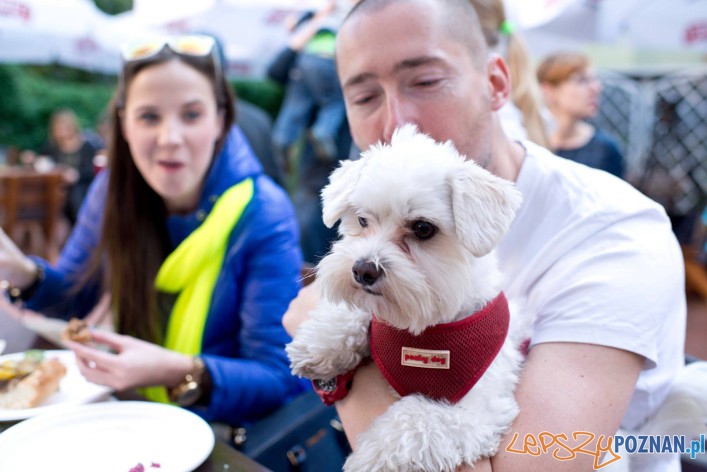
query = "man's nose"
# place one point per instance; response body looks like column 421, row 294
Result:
column 397, row 114
column 366, row 273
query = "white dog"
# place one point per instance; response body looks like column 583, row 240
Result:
column 415, row 270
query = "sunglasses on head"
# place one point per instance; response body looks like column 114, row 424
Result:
column 197, row 45
column 194, row 45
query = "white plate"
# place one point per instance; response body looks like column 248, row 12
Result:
column 107, row 437
column 74, row 389
column 48, row 328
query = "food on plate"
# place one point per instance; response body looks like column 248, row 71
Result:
column 141, row 468
column 27, row 382
column 78, row 331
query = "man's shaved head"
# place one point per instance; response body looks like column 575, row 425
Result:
column 457, row 16
column 421, row 62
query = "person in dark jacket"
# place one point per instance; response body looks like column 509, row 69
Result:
column 68, row 147
column 196, row 248
column 571, row 93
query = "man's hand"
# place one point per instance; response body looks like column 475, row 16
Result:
column 564, row 387
column 298, row 311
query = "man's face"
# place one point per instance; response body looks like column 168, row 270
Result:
column 400, row 65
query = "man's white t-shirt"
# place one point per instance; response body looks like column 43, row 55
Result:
column 598, row 263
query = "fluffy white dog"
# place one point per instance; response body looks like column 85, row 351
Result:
column 415, row 271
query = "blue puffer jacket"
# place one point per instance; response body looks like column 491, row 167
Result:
column 243, row 343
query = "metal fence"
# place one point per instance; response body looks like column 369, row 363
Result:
column 661, row 125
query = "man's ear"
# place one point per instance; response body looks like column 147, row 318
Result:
column 483, row 206
column 499, row 81
column 335, row 196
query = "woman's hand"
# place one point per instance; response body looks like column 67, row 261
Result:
column 101, row 316
column 133, row 362
column 15, row 267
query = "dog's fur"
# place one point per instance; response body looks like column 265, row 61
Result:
column 424, row 283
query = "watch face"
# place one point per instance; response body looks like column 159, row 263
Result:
column 190, row 394
column 327, row 386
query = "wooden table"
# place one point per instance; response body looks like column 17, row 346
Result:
column 223, row 458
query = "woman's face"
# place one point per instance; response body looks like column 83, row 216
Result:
column 577, row 97
column 171, row 122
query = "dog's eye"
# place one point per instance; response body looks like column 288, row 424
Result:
column 423, row 229
column 363, row 222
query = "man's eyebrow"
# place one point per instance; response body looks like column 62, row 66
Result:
column 407, row 64
column 416, row 62
column 359, row 79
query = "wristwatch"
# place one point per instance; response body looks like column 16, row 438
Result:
column 333, row 390
column 188, row 391
column 18, row 296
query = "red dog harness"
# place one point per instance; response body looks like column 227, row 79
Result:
column 444, row 361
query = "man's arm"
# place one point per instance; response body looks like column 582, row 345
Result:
column 564, row 388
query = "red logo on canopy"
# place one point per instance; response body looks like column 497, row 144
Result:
column 14, row 8
column 696, row 33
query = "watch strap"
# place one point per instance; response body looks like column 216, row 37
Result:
column 18, row 296
column 192, row 380
column 333, row 390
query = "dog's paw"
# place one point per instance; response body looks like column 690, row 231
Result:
column 309, row 363
column 315, row 360
column 326, row 346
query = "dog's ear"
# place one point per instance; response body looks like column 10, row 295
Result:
column 483, row 206
column 335, row 196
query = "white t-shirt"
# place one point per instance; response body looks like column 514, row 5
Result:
column 598, row 263
column 511, row 120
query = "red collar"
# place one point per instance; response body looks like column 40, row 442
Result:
column 444, row 361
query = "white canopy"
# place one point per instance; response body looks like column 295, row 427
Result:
column 660, row 25
column 252, row 31
column 70, row 32
column 76, row 33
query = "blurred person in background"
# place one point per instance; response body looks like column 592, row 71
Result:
column 312, row 87
column 571, row 93
column 525, row 115
column 194, row 250
column 255, row 124
column 68, row 147
column 99, row 136
column 305, row 67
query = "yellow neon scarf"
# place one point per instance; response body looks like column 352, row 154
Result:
column 192, row 269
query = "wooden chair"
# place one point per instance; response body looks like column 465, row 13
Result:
column 30, row 209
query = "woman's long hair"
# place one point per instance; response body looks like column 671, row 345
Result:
column 134, row 241
column 525, row 91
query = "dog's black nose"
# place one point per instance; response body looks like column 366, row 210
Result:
column 366, row 273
